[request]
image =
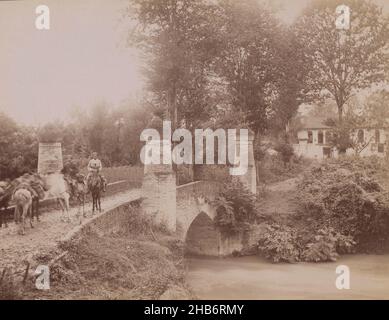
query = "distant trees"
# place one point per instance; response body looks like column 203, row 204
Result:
column 96, row 130
column 114, row 133
column 18, row 148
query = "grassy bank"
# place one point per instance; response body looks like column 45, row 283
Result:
column 142, row 262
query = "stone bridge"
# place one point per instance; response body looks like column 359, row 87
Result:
column 187, row 210
column 184, row 210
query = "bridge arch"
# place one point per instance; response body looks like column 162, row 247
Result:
column 194, row 199
column 202, row 237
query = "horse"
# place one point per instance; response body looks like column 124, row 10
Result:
column 95, row 186
column 59, row 189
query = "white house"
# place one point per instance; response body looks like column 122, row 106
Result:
column 314, row 140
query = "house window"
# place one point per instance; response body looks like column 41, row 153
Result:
column 377, row 136
column 381, row 148
column 320, row 137
column 310, row 137
column 361, row 136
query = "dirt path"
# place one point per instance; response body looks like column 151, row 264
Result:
column 279, row 198
column 45, row 235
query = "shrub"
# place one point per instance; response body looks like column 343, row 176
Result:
column 340, row 194
column 342, row 208
column 279, row 243
column 326, row 245
column 235, row 207
column 286, row 151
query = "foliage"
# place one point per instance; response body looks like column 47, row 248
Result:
column 342, row 61
column 279, row 243
column 326, row 245
column 272, row 168
column 344, row 134
column 345, row 195
column 377, row 113
column 286, row 151
column 19, row 148
column 176, row 37
column 282, row 243
column 342, row 208
column 96, row 130
column 223, row 63
column 235, row 207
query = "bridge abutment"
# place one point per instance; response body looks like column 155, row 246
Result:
column 159, row 192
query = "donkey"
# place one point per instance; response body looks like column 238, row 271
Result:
column 23, row 202
column 26, row 195
column 37, row 186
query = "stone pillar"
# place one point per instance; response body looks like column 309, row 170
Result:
column 249, row 179
column 159, row 192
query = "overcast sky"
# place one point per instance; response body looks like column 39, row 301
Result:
column 80, row 61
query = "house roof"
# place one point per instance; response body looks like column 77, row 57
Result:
column 309, row 122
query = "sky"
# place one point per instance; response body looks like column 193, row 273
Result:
column 82, row 60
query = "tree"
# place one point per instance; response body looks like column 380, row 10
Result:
column 290, row 81
column 342, row 61
column 19, row 148
column 376, row 109
column 248, row 59
column 344, row 135
column 176, row 39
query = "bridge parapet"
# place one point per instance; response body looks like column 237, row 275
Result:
column 192, row 199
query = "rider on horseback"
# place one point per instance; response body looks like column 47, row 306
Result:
column 95, row 165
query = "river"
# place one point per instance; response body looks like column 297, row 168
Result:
column 255, row 278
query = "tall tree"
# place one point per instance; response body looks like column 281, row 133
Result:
column 175, row 36
column 290, row 80
column 248, row 61
column 343, row 61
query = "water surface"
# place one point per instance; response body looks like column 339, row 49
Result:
column 256, row 278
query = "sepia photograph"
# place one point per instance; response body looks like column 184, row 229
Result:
column 194, row 150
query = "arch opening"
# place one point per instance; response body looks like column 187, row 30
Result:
column 202, row 237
